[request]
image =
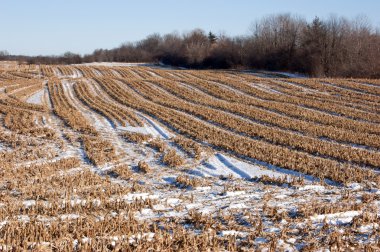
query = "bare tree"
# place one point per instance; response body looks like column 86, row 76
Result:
column 275, row 39
column 334, row 46
column 197, row 46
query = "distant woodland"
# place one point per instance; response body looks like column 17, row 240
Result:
column 322, row 48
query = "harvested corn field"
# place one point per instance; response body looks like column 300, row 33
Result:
column 128, row 157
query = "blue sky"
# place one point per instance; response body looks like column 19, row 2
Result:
column 55, row 26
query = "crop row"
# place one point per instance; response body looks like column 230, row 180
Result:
column 22, row 75
column 275, row 155
column 47, row 71
column 26, row 92
column 125, row 72
column 87, row 72
column 323, row 111
column 98, row 151
column 16, row 103
column 372, row 82
column 267, row 117
column 354, row 131
column 21, row 154
column 288, row 88
column 368, row 90
column 268, row 134
column 115, row 113
column 321, row 85
column 291, row 111
column 311, row 97
column 105, row 71
column 332, row 98
column 67, row 111
column 19, row 84
column 65, row 70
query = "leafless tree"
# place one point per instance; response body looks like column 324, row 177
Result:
column 334, row 46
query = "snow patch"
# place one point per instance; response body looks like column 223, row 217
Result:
column 312, row 188
column 234, row 193
column 336, row 218
column 36, row 98
column 139, row 196
column 237, row 206
column 233, row 233
column 355, row 186
column 69, row 216
column 221, row 164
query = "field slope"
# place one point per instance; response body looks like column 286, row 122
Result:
column 138, row 157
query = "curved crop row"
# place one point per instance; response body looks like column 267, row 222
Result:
column 275, row 155
column 67, row 111
column 115, row 113
column 262, row 132
column 269, row 118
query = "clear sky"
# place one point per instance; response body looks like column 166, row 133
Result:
column 55, row 26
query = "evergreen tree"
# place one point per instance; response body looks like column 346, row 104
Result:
column 212, row 37
column 314, row 47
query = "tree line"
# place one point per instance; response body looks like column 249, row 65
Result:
column 331, row 47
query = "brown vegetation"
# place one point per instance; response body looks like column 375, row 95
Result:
column 157, row 144
column 135, row 137
column 53, row 199
column 98, row 150
column 269, row 152
column 144, row 167
column 172, row 159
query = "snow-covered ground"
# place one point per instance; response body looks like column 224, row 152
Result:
column 36, row 98
column 271, row 74
column 222, row 164
column 235, row 198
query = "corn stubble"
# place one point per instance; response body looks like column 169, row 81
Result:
column 172, row 159
column 67, row 183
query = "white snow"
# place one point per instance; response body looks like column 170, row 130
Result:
column 368, row 228
column 237, row 206
column 233, row 193
column 147, row 236
column 281, row 196
column 161, row 207
column 69, row 216
column 336, row 218
column 155, row 129
column 139, row 196
column 222, row 164
column 228, row 194
column 2, row 224
column 291, row 75
column 97, row 72
column 285, row 246
column 202, row 188
column 36, row 98
column 29, row 203
column 23, row 218
column 192, row 206
column 173, row 201
column 142, row 130
column 312, row 187
column 146, row 211
column 355, row 186
column 77, row 74
column 151, row 128
column 265, row 88
column 233, row 233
